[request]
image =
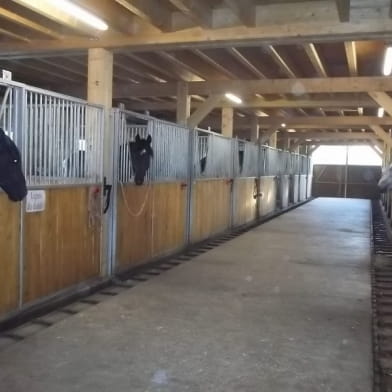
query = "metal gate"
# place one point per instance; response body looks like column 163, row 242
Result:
column 60, row 140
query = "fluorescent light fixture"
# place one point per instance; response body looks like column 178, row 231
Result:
column 378, row 149
column 283, row 125
column 233, row 98
column 308, row 140
column 80, row 14
column 387, row 67
column 291, row 130
column 360, row 111
column 380, row 112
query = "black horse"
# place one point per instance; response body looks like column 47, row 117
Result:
column 12, row 179
column 141, row 155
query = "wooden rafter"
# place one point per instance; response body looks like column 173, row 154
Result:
column 383, row 99
column 282, row 62
column 205, row 108
column 343, row 7
column 351, row 54
column 150, row 11
column 244, row 9
column 197, row 10
column 27, row 23
column 271, row 86
column 50, row 11
column 380, row 133
column 281, row 103
column 281, row 28
column 244, row 61
column 315, row 59
column 329, row 121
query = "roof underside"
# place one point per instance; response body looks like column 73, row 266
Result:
column 166, row 41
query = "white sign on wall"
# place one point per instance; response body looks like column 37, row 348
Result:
column 35, row 201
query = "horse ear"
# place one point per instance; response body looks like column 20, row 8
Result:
column 149, row 139
column 137, row 138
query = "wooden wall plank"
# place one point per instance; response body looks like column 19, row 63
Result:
column 9, row 259
column 211, row 208
column 159, row 227
column 60, row 248
column 245, row 204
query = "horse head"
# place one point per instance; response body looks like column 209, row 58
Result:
column 12, row 180
column 385, row 182
column 141, row 154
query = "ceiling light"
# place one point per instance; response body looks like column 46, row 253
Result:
column 360, row 111
column 308, row 140
column 80, row 14
column 291, row 130
column 283, row 125
column 233, row 98
column 380, row 112
column 387, row 67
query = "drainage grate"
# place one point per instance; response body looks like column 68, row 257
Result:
column 381, row 274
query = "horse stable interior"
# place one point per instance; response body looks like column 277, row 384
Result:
column 175, row 236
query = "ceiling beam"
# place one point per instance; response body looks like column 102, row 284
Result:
column 338, row 121
column 343, row 7
column 50, row 11
column 351, row 54
column 315, row 59
column 278, row 103
column 383, row 100
column 365, row 24
column 196, row 10
column 244, row 10
column 270, row 86
column 150, row 11
column 14, row 35
column 202, row 112
column 324, row 136
column 381, row 134
column 283, row 63
column 27, row 23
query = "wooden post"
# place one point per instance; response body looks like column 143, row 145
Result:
column 254, row 129
column 183, row 103
column 286, row 142
column 100, row 91
column 227, row 122
column 273, row 140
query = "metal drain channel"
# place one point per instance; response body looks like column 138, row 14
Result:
column 381, row 277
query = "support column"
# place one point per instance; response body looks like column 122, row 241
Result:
column 286, row 142
column 100, row 91
column 254, row 129
column 273, row 140
column 227, row 121
column 183, row 103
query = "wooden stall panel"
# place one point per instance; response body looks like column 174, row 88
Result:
column 61, row 249
column 302, row 187
column 245, row 201
column 268, row 189
column 284, row 191
column 309, row 186
column 294, row 188
column 9, row 259
column 210, row 209
column 150, row 222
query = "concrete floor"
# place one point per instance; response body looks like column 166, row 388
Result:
column 284, row 307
